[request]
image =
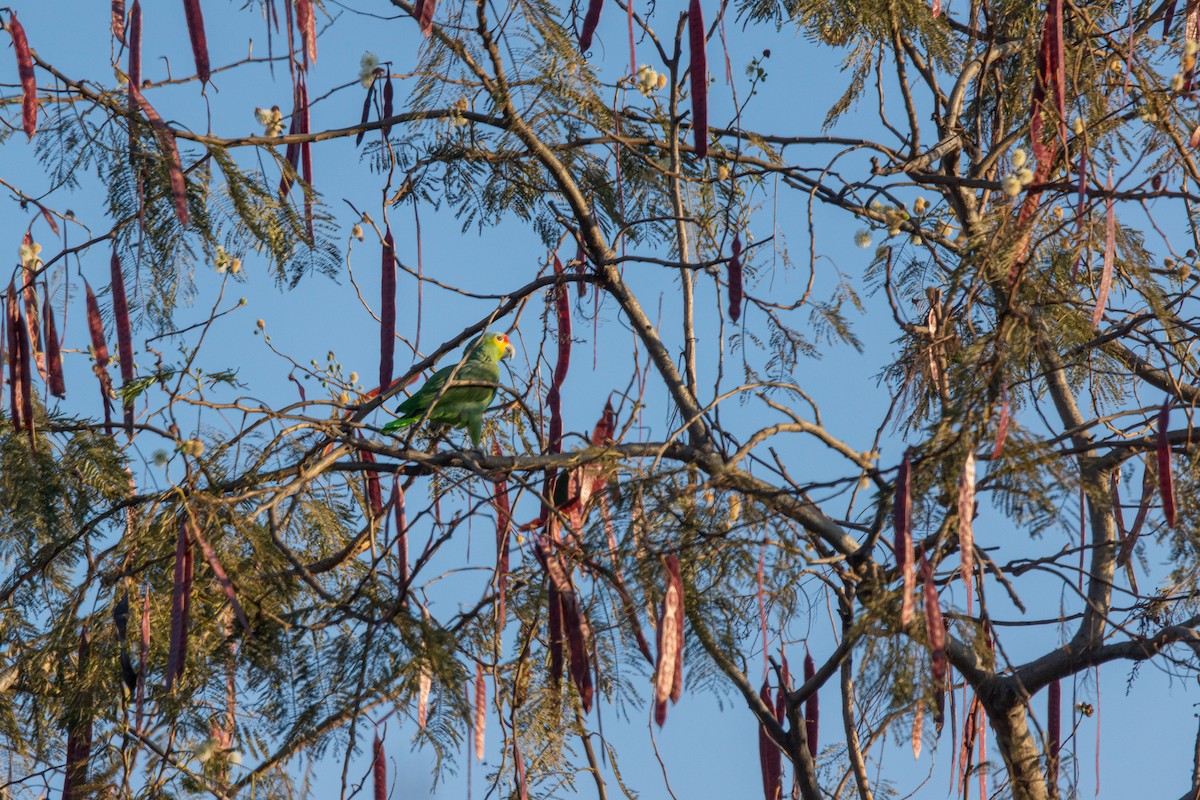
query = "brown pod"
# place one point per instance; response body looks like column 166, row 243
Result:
column 401, row 530
column 698, row 73
column 306, row 21
column 1166, row 487
column 503, row 535
column 15, row 338
column 902, row 522
column 423, row 11
column 195, row 24
column 124, row 335
column 99, row 352
column 966, row 516
column 480, row 711
column 366, row 114
column 29, row 102
column 578, row 639
column 812, row 707
column 555, row 624
column 143, row 656
column 374, row 490
column 306, row 164
column 181, row 601
column 388, row 99
column 387, row 310
column 118, row 19
column 214, row 563
column 79, row 731
column 1110, row 254
column 590, row 20
column 769, row 759
column 54, row 367
column 1053, row 730
column 669, row 639
column 135, row 49
column 735, row 279
column 379, row 768
column 170, row 150
column 1002, row 425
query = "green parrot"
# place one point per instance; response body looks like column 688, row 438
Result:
column 459, row 406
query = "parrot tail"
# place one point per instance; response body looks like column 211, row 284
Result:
column 397, row 424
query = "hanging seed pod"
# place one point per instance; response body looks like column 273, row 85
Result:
column 387, row 310
column 143, row 656
column 698, row 72
column 503, row 534
column 812, row 706
column 770, row 761
column 735, row 279
column 124, row 335
column 1053, row 730
column 29, row 102
column 935, row 628
column 902, row 522
column 16, row 334
column 579, row 637
column 398, row 510
column 181, row 601
column 966, row 516
column 388, row 99
column 374, row 491
column 423, row 13
column 379, row 769
column 366, row 114
column 1110, row 253
column 590, row 20
column 55, row 383
column 170, row 151
column 424, row 684
column 99, row 352
column 306, row 164
column 918, row 728
column 669, row 639
column 1166, row 488
column 195, row 24
column 554, row 623
column 781, row 691
column 135, row 50
column 480, row 711
column 1139, row 519
column 519, row 763
column 306, row 21
column 79, row 730
column 214, row 563
column 118, row 20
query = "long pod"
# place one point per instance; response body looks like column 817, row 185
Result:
column 902, row 522
column 306, row 21
column 29, row 102
column 16, row 336
column 99, row 352
column 79, row 729
column 214, row 563
column 195, row 24
column 966, row 516
column 423, row 11
column 55, row 382
column 480, row 722
column 590, row 20
column 124, row 336
column 769, row 759
column 1166, row 486
column 306, row 163
column 812, row 707
column 1110, row 254
column 503, row 534
column 698, row 73
column 379, row 769
column 936, row 630
column 388, row 104
column 170, row 150
column 387, row 311
column 735, row 279
column 668, row 641
column 181, row 602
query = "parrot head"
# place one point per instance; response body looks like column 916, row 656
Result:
column 493, row 346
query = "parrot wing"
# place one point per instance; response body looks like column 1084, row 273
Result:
column 459, row 406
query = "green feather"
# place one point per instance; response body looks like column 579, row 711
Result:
column 458, row 406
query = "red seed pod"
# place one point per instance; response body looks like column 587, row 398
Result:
column 1110, row 253
column 522, row 787
column 366, row 114
column 918, row 728
column 135, row 49
column 812, row 706
column 698, row 72
column 195, row 23
column 306, row 21
column 388, row 99
column 170, row 150
column 424, row 684
column 387, row 310
column 1139, row 519
column 118, row 19
column 143, row 656
column 770, row 760
column 934, row 626
column 735, row 279
column 379, row 768
column 15, row 333
column 306, row 165
column 578, row 645
column 1049, row 75
column 214, row 563
column 79, row 731
column 55, row 382
column 669, row 640
column 181, row 600
column 555, row 624
column 503, row 534
column 1166, row 487
column 29, row 102
column 124, row 334
column 1053, row 730
column 401, row 530
column 902, row 522
column 480, row 711
column 677, row 677
column 374, row 491
column 1168, row 17
column 590, row 20
column 423, row 12
column 292, row 153
column 966, row 516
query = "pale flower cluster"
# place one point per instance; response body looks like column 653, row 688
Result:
column 271, row 119
column 368, row 67
column 649, row 81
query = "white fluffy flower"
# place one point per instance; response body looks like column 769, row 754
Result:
column 863, row 238
column 1018, row 158
column 366, row 68
column 1011, row 185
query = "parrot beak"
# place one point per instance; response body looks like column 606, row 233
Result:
column 509, row 351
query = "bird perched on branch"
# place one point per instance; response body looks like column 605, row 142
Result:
column 462, row 403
